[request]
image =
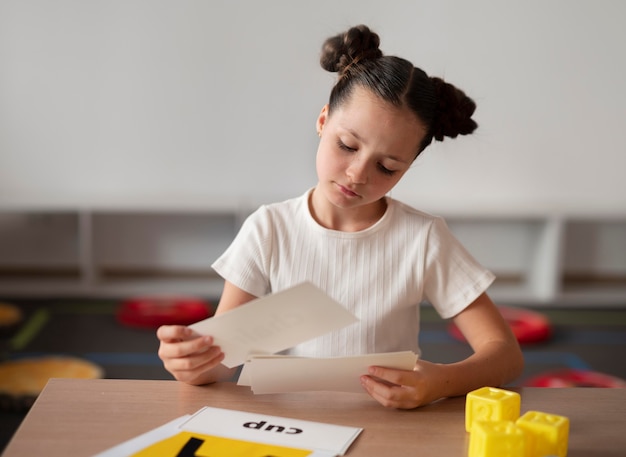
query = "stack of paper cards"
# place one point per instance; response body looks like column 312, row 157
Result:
column 275, row 374
column 254, row 332
column 215, row 432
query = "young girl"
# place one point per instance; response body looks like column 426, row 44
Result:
column 376, row 256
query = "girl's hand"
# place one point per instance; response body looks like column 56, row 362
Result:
column 192, row 358
column 496, row 360
column 189, row 357
column 401, row 388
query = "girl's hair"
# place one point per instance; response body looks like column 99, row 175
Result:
column 355, row 56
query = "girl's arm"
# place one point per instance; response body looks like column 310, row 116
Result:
column 193, row 358
column 497, row 360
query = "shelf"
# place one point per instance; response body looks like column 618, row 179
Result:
column 130, row 249
column 113, row 252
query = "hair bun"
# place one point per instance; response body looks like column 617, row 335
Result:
column 357, row 44
column 454, row 111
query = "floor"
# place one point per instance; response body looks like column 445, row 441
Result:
column 586, row 339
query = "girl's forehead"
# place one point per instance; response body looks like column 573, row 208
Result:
column 364, row 101
column 364, row 96
column 370, row 117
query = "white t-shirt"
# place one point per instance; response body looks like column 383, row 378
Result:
column 381, row 274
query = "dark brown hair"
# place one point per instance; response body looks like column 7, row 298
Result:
column 444, row 110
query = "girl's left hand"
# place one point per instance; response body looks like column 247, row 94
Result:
column 404, row 389
column 496, row 360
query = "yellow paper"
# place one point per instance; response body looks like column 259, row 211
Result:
column 187, row 444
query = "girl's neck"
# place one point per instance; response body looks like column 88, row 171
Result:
column 345, row 220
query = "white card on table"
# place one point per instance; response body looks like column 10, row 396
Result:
column 282, row 431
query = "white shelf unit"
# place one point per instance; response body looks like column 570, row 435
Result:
column 523, row 252
column 556, row 259
column 113, row 252
column 166, row 249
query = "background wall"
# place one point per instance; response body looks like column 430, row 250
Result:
column 149, row 99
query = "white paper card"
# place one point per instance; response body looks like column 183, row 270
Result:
column 274, row 323
column 275, row 374
column 141, row 442
column 276, row 430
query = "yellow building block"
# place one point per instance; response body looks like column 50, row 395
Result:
column 497, row 439
column 547, row 434
column 491, row 404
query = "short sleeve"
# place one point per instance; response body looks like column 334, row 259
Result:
column 453, row 278
column 245, row 263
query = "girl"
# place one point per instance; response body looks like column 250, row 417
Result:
column 378, row 257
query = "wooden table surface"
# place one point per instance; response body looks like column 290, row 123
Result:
column 84, row 417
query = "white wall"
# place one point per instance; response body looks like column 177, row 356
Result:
column 149, row 99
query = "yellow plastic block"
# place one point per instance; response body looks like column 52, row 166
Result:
column 497, row 439
column 547, row 434
column 491, row 404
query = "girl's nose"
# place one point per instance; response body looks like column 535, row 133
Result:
column 357, row 171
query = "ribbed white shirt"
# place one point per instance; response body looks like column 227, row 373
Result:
column 381, row 274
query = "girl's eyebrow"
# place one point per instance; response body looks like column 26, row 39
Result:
column 396, row 159
column 354, row 134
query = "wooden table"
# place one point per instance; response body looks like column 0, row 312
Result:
column 84, row 417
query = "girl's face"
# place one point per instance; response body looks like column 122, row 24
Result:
column 366, row 146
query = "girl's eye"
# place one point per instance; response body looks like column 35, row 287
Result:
column 380, row 166
column 345, row 147
column 385, row 170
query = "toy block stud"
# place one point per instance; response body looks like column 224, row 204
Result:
column 491, row 404
column 547, row 434
column 497, row 439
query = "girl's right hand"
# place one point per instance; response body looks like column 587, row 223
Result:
column 189, row 357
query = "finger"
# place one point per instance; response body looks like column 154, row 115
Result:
column 191, row 373
column 391, row 375
column 196, row 362
column 386, row 394
column 173, row 333
column 186, row 348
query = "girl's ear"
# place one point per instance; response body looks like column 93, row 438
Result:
column 321, row 120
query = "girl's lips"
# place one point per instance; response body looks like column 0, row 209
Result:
column 347, row 191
